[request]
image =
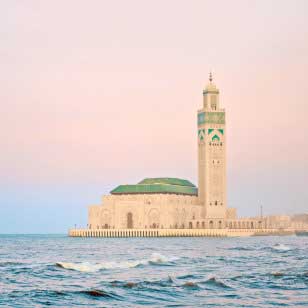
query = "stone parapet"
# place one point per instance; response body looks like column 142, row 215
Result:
column 114, row 233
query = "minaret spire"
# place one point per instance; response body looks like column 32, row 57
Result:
column 211, row 77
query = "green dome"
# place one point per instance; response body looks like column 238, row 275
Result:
column 171, row 181
column 158, row 186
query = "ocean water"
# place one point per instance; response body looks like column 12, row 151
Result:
column 58, row 271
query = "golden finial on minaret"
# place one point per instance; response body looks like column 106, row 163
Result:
column 211, row 77
column 210, row 87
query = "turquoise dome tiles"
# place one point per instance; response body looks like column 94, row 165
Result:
column 158, row 186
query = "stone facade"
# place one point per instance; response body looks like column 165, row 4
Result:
column 144, row 211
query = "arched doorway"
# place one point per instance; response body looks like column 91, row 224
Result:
column 211, row 224
column 130, row 222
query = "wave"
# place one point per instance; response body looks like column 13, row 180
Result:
column 238, row 277
column 162, row 282
column 155, row 259
column 143, row 284
column 213, row 281
column 190, row 285
column 9, row 263
column 64, row 293
column 153, row 284
column 281, row 247
column 99, row 293
column 188, row 276
column 277, row 274
column 240, row 248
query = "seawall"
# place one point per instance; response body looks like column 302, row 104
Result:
column 174, row 232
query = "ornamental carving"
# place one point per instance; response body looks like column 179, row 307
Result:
column 211, row 118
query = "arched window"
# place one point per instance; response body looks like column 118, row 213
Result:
column 213, row 101
column 190, row 225
column 130, row 223
column 203, row 224
column 211, row 224
column 219, row 224
column 198, row 226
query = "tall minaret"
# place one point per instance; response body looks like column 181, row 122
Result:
column 212, row 156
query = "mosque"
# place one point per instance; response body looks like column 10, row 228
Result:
column 173, row 203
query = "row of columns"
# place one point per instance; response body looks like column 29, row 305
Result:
column 147, row 233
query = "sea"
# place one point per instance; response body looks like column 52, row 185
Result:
column 59, row 271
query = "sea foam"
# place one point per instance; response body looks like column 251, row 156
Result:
column 281, row 247
column 155, row 259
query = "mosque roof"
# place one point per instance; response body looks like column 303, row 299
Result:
column 158, row 186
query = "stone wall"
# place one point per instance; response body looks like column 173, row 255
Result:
column 162, row 211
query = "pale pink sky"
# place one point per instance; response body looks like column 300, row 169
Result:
column 99, row 93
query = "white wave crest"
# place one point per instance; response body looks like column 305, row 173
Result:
column 88, row 267
column 281, row 247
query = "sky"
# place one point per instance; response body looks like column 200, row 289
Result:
column 100, row 93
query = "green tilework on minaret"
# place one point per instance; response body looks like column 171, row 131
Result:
column 211, row 118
